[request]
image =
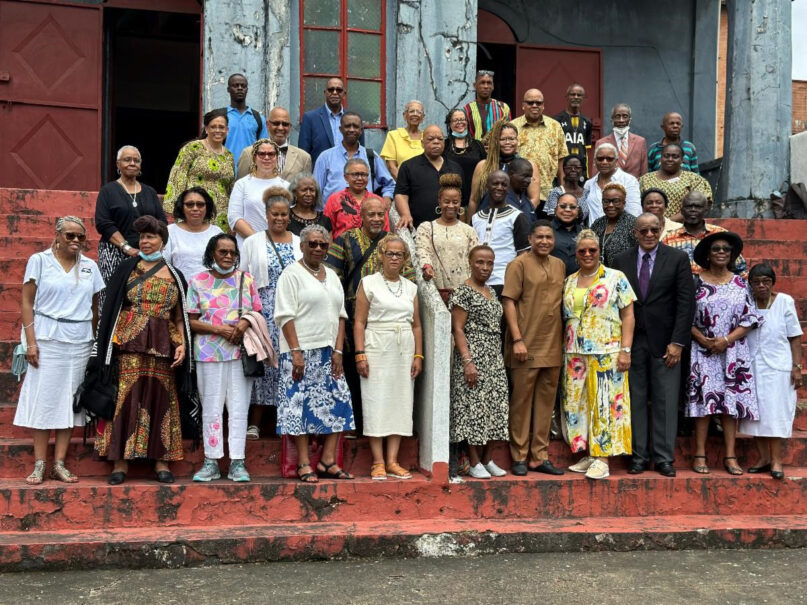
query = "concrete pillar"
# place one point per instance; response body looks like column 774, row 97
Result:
column 758, row 107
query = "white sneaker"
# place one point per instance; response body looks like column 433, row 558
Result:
column 479, row 472
column 495, row 470
column 598, row 470
column 581, row 466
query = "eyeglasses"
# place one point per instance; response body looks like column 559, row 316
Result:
column 358, row 175
column 194, row 204
column 588, row 251
column 721, row 248
column 335, row 89
column 390, row 254
column 232, row 253
column 534, row 103
column 458, row 120
column 606, row 158
column 280, row 123
column 510, row 139
column 266, row 154
column 315, row 245
column 762, row 281
column 567, row 207
column 615, row 202
column 71, row 235
column 648, row 230
column 130, row 161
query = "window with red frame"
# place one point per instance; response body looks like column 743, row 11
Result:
column 344, row 39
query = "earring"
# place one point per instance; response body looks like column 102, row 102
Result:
column 462, row 211
column 118, row 171
column 438, row 211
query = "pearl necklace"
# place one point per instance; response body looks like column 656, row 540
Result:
column 315, row 272
column 591, row 274
column 396, row 293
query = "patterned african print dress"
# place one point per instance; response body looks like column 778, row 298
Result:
column 146, row 424
column 594, row 395
column 479, row 414
column 723, row 383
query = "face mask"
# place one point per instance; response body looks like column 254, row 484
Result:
column 621, row 132
column 217, row 268
column 459, row 135
column 151, row 257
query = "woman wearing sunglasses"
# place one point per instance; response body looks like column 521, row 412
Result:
column 188, row 236
column 389, row 355
column 598, row 312
column 313, row 396
column 720, row 378
column 246, row 213
column 59, row 316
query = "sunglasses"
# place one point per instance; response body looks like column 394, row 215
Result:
column 194, row 204
column 70, row 236
column 647, row 230
column 534, row 103
column 605, row 159
column 280, row 123
column 315, row 245
column 612, row 202
column 588, row 251
column 358, row 175
column 567, row 207
column 394, row 254
column 266, row 154
column 721, row 248
column 232, row 253
column 484, row 72
column 335, row 89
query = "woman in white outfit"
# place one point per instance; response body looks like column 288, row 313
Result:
column 776, row 365
column 194, row 212
column 389, row 355
column 59, row 316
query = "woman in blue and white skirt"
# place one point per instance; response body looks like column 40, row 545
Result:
column 59, row 315
column 313, row 397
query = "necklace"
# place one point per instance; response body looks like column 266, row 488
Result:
column 396, row 293
column 315, row 272
column 591, row 274
column 131, row 195
column 769, row 303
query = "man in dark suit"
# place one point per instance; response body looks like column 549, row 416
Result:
column 664, row 308
column 320, row 128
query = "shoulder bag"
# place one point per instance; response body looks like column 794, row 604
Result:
column 252, row 367
column 445, row 293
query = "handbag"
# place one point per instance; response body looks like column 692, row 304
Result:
column 445, row 293
column 98, row 393
column 252, row 367
column 19, row 364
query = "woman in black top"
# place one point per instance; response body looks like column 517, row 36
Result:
column 307, row 206
column 120, row 203
column 462, row 149
column 615, row 229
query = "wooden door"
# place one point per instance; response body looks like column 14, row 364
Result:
column 552, row 69
column 50, row 96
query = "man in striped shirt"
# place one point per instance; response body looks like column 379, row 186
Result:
column 672, row 125
column 484, row 111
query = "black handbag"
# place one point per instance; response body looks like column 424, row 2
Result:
column 98, row 393
column 252, row 367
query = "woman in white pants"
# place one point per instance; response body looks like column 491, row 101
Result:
column 216, row 300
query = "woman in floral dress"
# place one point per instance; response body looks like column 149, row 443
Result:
column 720, row 378
column 207, row 163
column 598, row 312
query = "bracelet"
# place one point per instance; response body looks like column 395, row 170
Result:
column 296, row 350
column 466, row 361
column 337, row 351
column 728, row 342
column 361, row 357
column 28, row 326
column 515, row 340
column 418, row 355
column 33, row 346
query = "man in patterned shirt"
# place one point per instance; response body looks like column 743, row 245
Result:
column 694, row 208
column 484, row 111
column 576, row 126
column 541, row 139
column 672, row 125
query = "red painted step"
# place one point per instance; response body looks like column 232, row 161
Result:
column 47, row 202
column 92, row 504
column 765, row 229
column 32, row 225
column 167, row 547
column 21, row 247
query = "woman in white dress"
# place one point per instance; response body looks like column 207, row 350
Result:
column 776, row 366
column 59, row 316
column 194, row 212
column 246, row 212
column 389, row 355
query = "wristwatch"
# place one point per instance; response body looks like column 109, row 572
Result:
column 624, row 350
column 126, row 247
column 798, row 365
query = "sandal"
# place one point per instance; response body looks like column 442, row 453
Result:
column 325, row 472
column 732, row 470
column 309, row 477
column 38, row 475
column 61, row 473
column 378, row 472
column 396, row 471
column 701, row 468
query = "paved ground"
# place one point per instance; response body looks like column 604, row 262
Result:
column 702, row 577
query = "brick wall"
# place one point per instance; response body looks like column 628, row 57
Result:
column 799, row 106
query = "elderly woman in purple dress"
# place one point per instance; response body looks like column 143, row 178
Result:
column 720, row 378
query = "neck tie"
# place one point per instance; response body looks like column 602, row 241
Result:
column 623, row 151
column 644, row 275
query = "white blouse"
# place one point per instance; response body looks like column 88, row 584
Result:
column 246, row 202
column 185, row 249
column 314, row 306
column 63, row 295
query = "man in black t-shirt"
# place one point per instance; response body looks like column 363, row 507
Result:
column 576, row 126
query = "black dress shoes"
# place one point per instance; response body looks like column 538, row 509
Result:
column 547, row 468
column 778, row 475
column 165, row 477
column 519, row 468
column 764, row 468
column 637, row 467
column 666, row 469
column 116, row 478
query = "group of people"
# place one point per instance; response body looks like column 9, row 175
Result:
column 579, row 293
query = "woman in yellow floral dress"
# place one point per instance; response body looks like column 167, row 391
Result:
column 206, row 163
column 598, row 313
column 142, row 335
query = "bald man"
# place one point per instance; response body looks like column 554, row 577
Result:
column 419, row 180
column 673, row 124
column 292, row 160
column 541, row 140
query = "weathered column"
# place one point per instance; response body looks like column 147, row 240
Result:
column 758, row 106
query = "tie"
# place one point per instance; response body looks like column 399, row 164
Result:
column 644, row 275
column 623, row 151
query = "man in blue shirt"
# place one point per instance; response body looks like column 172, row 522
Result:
column 246, row 125
column 320, row 127
column 330, row 166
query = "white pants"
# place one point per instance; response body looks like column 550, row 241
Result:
column 219, row 381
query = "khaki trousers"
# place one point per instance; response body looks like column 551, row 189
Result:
column 531, row 405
